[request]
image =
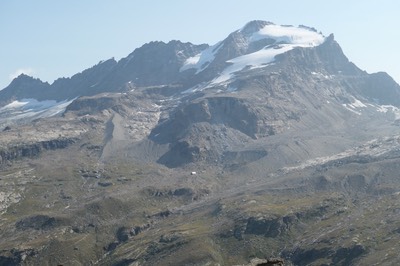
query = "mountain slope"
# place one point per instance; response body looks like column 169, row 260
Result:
column 270, row 143
column 156, row 63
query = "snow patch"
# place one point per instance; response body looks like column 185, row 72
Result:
column 13, row 105
column 254, row 60
column 350, row 109
column 31, row 108
column 389, row 108
column 357, row 104
column 201, row 60
column 321, row 75
column 196, row 88
column 207, row 85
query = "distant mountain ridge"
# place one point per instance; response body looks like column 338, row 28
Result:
column 150, row 65
column 185, row 65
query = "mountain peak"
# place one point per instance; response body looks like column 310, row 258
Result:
column 254, row 26
column 24, row 78
column 254, row 46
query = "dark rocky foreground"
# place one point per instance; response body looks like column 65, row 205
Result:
column 81, row 199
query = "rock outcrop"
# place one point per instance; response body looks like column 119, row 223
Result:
column 33, row 149
column 37, row 222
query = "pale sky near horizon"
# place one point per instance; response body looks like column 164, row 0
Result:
column 49, row 39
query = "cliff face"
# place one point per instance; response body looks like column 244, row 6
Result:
column 31, row 150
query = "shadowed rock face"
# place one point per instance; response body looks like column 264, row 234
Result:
column 229, row 111
column 92, row 105
column 38, row 222
column 266, row 262
column 341, row 256
column 387, row 94
column 189, row 131
column 268, row 228
column 155, row 63
column 31, row 150
column 17, row 257
column 181, row 153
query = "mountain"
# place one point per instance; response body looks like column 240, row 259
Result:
column 269, row 143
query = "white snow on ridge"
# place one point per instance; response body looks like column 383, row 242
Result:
column 31, row 108
column 32, row 105
column 301, row 36
column 254, row 60
column 13, row 105
column 286, row 38
column 201, row 60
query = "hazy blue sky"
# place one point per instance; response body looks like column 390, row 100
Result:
column 54, row 38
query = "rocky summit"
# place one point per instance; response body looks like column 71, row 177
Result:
column 269, row 147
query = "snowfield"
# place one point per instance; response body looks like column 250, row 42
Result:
column 357, row 106
column 285, row 38
column 31, row 109
column 203, row 59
